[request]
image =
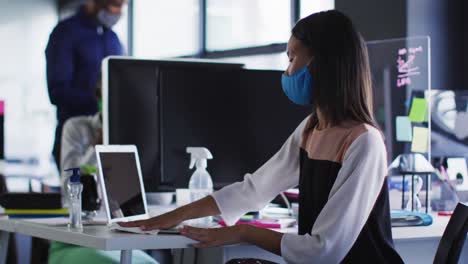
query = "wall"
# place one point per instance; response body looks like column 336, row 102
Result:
column 30, row 118
column 443, row 22
column 376, row 19
column 429, row 19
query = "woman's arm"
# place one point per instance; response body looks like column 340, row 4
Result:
column 279, row 173
column 201, row 208
column 264, row 238
column 212, row 237
column 339, row 223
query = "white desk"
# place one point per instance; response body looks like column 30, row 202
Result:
column 97, row 236
column 415, row 244
column 419, row 244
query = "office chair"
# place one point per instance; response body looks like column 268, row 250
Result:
column 454, row 237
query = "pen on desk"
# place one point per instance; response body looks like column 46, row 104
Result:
column 444, row 213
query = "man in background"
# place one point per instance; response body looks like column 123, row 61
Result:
column 74, row 53
column 80, row 135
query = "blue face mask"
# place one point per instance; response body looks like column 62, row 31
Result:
column 107, row 19
column 298, row 86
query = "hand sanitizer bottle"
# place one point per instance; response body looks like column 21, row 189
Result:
column 74, row 200
column 200, row 184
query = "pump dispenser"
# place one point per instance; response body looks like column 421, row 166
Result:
column 75, row 174
column 200, row 184
column 74, row 200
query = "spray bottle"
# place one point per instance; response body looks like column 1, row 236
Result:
column 200, row 184
column 75, row 187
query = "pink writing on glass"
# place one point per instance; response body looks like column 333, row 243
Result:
column 406, row 68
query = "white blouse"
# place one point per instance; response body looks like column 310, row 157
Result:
column 339, row 223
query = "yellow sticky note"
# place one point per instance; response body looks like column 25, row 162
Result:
column 418, row 110
column 420, row 140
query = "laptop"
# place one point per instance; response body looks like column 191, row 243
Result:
column 122, row 185
column 123, row 189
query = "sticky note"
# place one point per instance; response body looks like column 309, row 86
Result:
column 403, row 129
column 418, row 110
column 461, row 125
column 420, row 139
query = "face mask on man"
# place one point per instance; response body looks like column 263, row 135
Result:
column 298, row 86
column 107, row 19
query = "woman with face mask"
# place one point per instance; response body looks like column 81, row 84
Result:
column 336, row 156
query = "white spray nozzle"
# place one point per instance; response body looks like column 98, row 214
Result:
column 199, row 155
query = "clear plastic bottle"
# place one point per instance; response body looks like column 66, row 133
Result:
column 200, row 184
column 75, row 187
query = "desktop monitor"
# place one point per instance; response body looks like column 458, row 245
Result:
column 242, row 116
column 132, row 113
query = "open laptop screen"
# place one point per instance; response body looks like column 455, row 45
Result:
column 122, row 183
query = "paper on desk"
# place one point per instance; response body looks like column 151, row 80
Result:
column 461, row 125
column 420, row 139
column 62, row 221
column 52, row 221
column 418, row 112
column 403, row 129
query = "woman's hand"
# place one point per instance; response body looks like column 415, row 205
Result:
column 164, row 221
column 212, row 237
column 201, row 208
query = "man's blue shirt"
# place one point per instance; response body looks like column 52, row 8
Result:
column 74, row 53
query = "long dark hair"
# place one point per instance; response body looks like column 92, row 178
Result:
column 342, row 81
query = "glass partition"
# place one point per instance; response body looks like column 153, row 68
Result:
column 401, row 85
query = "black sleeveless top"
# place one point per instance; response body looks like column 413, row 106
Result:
column 317, row 176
